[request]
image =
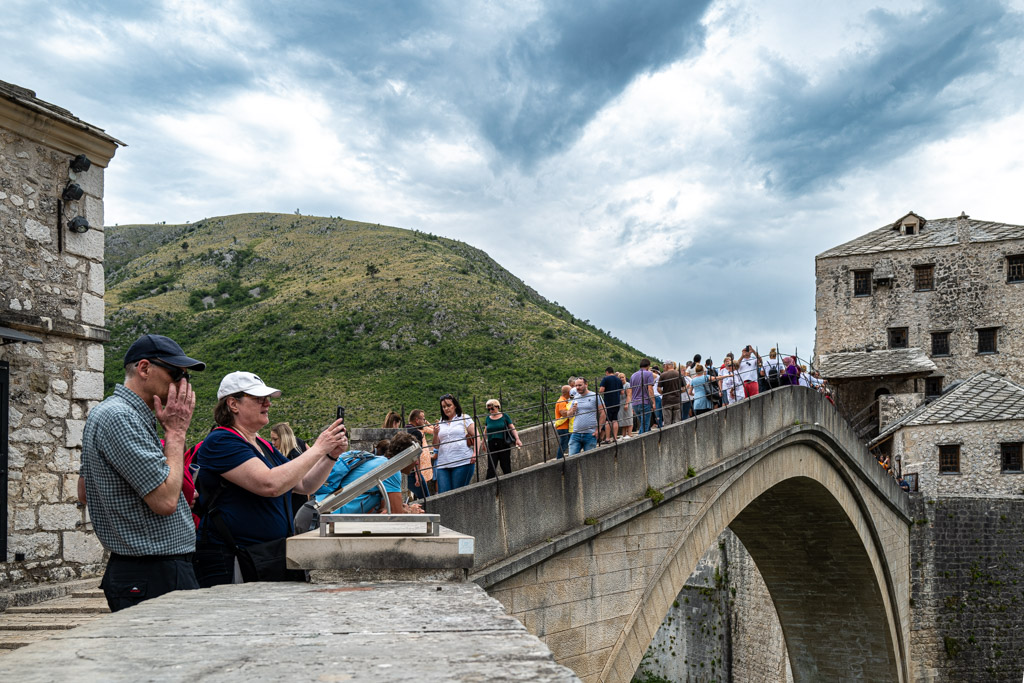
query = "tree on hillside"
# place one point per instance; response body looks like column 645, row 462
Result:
column 372, row 270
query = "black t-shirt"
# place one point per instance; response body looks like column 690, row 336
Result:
column 612, row 390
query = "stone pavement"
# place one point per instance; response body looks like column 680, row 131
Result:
column 334, row 632
column 39, row 613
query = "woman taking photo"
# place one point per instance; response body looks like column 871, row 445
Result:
column 245, row 482
column 501, row 436
column 455, row 439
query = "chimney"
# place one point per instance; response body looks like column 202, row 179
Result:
column 963, row 228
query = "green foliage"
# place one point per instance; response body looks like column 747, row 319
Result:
column 590, row 521
column 655, row 495
column 690, row 473
column 328, row 335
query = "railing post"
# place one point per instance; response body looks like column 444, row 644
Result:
column 544, row 419
column 476, row 441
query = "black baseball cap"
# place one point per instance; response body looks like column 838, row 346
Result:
column 163, row 348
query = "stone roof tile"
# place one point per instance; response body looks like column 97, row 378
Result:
column 856, row 364
column 940, row 232
column 983, row 397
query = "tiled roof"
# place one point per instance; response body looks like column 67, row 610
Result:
column 983, row 397
column 854, row 364
column 938, row 232
column 27, row 98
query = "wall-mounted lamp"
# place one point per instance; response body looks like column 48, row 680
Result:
column 78, row 224
column 72, row 193
column 80, row 164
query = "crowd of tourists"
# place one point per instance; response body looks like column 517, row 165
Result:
column 219, row 512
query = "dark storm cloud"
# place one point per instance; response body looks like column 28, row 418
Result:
column 913, row 89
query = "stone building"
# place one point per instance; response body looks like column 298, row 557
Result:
column 52, row 331
column 915, row 305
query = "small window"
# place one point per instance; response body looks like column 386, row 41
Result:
column 988, row 340
column 862, row 283
column 932, row 387
column 949, row 459
column 898, row 337
column 911, row 479
column 924, row 278
column 1011, row 453
column 940, row 343
column 1015, row 268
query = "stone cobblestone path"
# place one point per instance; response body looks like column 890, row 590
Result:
column 25, row 624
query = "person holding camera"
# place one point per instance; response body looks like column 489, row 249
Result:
column 244, row 484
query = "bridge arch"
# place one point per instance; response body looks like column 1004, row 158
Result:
column 816, row 544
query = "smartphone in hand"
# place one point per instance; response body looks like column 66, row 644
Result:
column 341, row 414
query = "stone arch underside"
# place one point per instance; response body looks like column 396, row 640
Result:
column 804, row 523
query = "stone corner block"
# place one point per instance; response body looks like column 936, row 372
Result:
column 88, row 385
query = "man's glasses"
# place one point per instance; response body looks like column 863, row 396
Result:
column 174, row 371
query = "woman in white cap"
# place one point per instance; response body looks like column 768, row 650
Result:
column 244, row 485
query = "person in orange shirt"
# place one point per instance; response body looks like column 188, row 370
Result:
column 563, row 422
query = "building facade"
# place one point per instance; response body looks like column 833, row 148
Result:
column 51, row 330
column 946, row 293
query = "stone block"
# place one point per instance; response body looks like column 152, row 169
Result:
column 55, row 406
column 41, row 487
column 518, row 494
column 92, row 310
column 88, row 244
column 30, row 436
column 567, row 643
column 611, row 477
column 94, row 357
column 94, row 214
column 87, row 385
column 59, row 386
column 24, row 518
column 37, row 546
column 34, row 230
column 96, row 282
column 58, row 517
column 82, row 547
column 91, row 181
column 73, row 435
column 604, row 633
column 448, row 550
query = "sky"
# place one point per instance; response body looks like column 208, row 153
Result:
column 667, row 170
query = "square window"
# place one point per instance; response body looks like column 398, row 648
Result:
column 1011, row 453
column 940, row 343
column 932, row 387
column 949, row 459
column 924, row 278
column 988, row 340
column 898, row 337
column 862, row 283
column 1015, row 268
column 911, row 479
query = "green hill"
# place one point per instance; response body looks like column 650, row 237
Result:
column 337, row 312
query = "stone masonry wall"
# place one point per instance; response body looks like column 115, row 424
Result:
column 980, row 457
column 970, row 292
column 52, row 287
column 722, row 625
column 967, row 591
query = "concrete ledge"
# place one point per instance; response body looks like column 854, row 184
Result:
column 30, row 596
column 448, row 550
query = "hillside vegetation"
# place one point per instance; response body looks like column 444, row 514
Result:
column 337, row 312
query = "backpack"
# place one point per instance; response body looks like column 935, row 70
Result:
column 307, row 517
column 714, row 391
column 774, row 381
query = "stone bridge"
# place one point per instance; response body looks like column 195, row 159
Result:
column 590, row 552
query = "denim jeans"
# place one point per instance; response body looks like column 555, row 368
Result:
column 581, row 441
column 451, row 478
column 657, row 412
column 643, row 411
column 563, row 442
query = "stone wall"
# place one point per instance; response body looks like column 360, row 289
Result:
column 970, row 292
column 894, row 406
column 51, row 287
column 723, row 624
column 967, row 609
column 980, row 457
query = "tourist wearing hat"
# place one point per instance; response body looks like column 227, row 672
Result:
column 244, row 485
column 132, row 481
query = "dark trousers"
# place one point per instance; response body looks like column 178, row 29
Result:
column 130, row 580
column 420, row 492
column 499, row 457
column 215, row 564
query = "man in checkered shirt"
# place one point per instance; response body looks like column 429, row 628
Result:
column 133, row 483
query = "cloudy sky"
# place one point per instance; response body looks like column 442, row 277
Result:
column 666, row 169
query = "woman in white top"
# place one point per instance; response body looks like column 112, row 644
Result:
column 730, row 382
column 625, row 408
column 455, row 439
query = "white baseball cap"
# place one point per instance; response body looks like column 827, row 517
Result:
column 246, row 383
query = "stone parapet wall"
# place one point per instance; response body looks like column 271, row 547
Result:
column 967, row 610
column 980, row 457
column 51, row 287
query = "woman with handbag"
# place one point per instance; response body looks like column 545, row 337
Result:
column 501, row 436
column 455, row 439
column 245, row 485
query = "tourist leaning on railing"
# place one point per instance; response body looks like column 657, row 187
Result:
column 455, row 438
